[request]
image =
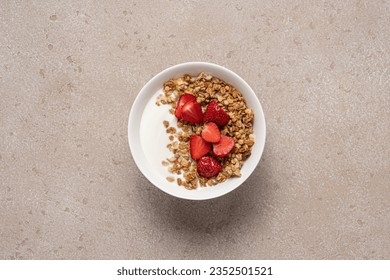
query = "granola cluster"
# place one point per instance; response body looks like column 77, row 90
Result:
column 205, row 88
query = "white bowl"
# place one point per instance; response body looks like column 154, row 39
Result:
column 148, row 138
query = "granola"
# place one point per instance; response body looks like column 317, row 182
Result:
column 206, row 88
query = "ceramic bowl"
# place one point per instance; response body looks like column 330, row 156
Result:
column 148, row 138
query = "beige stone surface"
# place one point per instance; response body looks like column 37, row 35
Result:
column 70, row 71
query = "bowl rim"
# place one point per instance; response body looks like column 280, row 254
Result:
column 133, row 116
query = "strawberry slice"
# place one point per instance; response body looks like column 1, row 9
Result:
column 192, row 112
column 214, row 113
column 211, row 133
column 208, row 167
column 183, row 100
column 223, row 147
column 198, row 147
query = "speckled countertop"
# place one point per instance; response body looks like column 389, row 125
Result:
column 69, row 73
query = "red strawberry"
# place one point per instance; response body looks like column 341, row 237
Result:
column 183, row 100
column 223, row 147
column 211, row 133
column 192, row 112
column 214, row 113
column 198, row 147
column 208, row 167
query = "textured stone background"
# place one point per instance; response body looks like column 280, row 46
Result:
column 69, row 73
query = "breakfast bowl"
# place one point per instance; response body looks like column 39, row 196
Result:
column 148, row 138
